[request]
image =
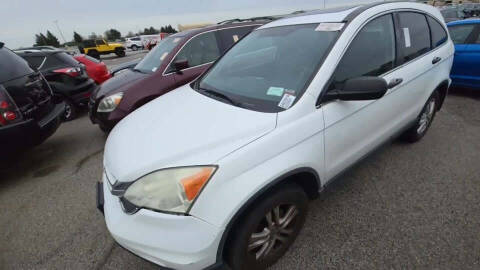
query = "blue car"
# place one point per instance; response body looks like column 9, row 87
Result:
column 466, row 65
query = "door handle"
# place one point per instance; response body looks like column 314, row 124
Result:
column 394, row 83
column 436, row 60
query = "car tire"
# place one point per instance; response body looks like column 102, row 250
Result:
column 275, row 221
column 70, row 111
column 134, row 48
column 424, row 120
column 94, row 54
column 105, row 129
column 120, row 53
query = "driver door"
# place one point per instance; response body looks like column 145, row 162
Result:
column 354, row 128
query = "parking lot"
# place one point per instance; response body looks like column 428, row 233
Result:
column 407, row 206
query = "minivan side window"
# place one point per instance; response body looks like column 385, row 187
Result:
column 462, row 34
column 371, row 53
column 415, row 40
column 230, row 36
column 200, row 50
column 439, row 35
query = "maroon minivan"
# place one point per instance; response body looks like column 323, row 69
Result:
column 175, row 61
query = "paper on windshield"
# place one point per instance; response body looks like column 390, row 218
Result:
column 275, row 91
column 163, row 56
column 287, row 101
column 176, row 40
column 329, row 27
column 235, row 38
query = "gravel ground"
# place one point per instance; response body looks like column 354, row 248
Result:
column 407, row 206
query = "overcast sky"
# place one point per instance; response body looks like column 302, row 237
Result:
column 20, row 20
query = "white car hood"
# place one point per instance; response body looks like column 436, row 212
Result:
column 181, row 128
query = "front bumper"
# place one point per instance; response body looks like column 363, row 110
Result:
column 29, row 133
column 171, row 241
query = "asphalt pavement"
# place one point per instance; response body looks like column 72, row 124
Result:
column 407, row 206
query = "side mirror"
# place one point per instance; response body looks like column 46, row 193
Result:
column 180, row 65
column 361, row 88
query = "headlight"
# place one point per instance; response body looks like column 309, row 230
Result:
column 170, row 190
column 109, row 103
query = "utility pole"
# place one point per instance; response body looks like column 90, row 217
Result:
column 61, row 34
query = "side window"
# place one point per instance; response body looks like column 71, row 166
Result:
column 200, row 50
column 461, row 34
column 230, row 36
column 439, row 35
column 371, row 53
column 414, row 37
column 100, row 42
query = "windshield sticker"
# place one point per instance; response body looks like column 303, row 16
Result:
column 235, row 38
column 163, row 56
column 290, row 92
column 275, row 91
column 330, row 27
column 287, row 101
column 154, row 69
column 406, row 34
column 176, row 40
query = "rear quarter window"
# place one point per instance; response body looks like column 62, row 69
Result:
column 12, row 66
column 438, row 33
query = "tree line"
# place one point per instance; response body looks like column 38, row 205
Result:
column 50, row 39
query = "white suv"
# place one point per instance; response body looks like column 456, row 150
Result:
column 220, row 171
column 134, row 43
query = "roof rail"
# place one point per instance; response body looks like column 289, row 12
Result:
column 254, row 19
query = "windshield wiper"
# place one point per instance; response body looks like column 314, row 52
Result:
column 220, row 95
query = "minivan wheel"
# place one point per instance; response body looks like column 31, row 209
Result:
column 134, row 47
column 424, row 121
column 267, row 231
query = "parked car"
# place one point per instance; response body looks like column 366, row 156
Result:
column 96, row 69
column 465, row 35
column 451, row 14
column 471, row 9
column 28, row 112
column 175, row 61
column 134, row 43
column 66, row 76
column 221, row 170
column 97, row 47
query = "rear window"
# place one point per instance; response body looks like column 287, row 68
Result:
column 59, row 60
column 12, row 66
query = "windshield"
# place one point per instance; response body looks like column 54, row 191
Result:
column 155, row 57
column 270, row 69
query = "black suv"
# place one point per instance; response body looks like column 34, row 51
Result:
column 29, row 114
column 66, row 76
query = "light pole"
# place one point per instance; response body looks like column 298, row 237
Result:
column 61, row 34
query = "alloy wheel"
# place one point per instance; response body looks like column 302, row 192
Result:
column 274, row 231
column 426, row 117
